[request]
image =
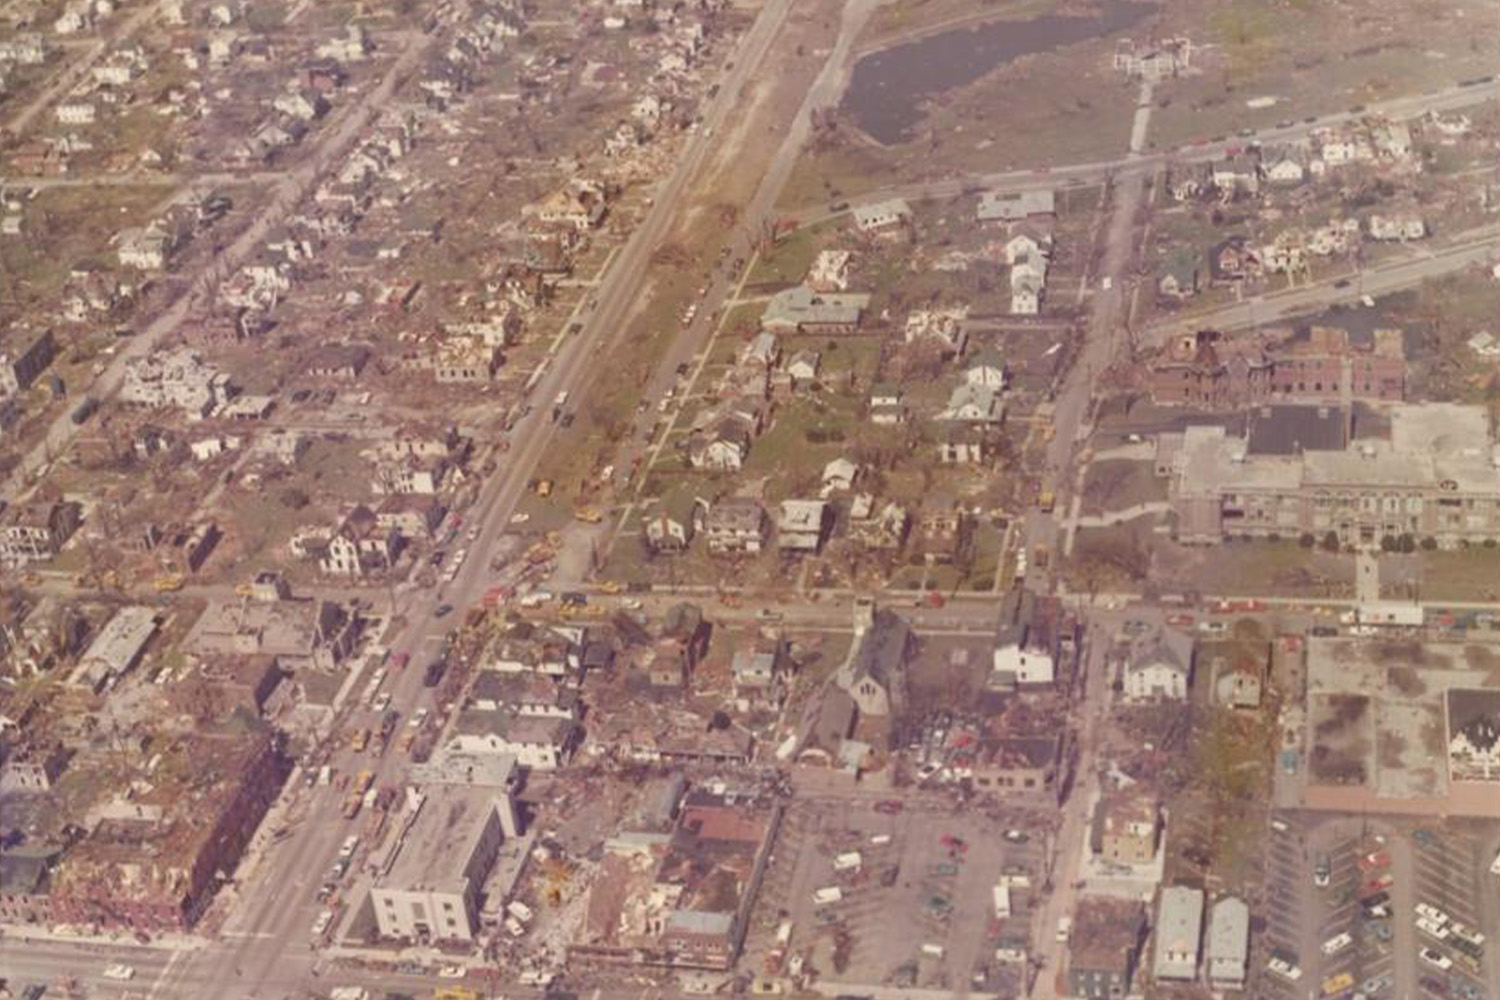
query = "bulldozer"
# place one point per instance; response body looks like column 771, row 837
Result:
column 556, row 872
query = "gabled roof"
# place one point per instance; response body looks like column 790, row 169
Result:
column 1167, row 647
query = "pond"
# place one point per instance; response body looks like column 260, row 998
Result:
column 888, row 88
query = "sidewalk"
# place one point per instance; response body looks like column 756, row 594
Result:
column 64, row 934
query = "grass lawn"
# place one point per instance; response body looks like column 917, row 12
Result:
column 1260, row 568
column 988, row 541
column 1471, row 574
column 1314, row 59
column 788, row 261
column 804, row 437
column 65, row 227
column 1115, row 484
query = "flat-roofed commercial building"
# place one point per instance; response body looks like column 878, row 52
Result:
column 430, row 891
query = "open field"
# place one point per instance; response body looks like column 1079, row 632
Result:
column 1314, row 59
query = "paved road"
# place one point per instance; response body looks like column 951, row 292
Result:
column 722, row 285
column 267, row 939
column 1071, row 420
column 1445, row 99
column 75, row 71
column 1477, row 247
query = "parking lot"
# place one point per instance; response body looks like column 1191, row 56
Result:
column 916, row 909
column 1288, row 910
column 1449, row 876
column 1330, row 912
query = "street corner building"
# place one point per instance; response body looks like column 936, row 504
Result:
column 157, row 852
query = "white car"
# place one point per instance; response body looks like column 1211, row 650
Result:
column 382, row 701
column 120, row 972
column 419, row 717
column 1284, row 969
column 452, row 972
column 1432, row 928
column 1436, row 959
column 1337, row 943
column 1432, row 913
column 520, row 518
column 321, row 924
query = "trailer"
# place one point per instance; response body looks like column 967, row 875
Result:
column 1391, row 614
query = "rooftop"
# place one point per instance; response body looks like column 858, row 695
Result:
column 439, row 846
column 1105, row 930
column 801, row 305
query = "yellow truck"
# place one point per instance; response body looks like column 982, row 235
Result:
column 170, row 583
column 1046, row 501
column 352, row 805
column 588, row 515
column 363, row 782
column 361, row 739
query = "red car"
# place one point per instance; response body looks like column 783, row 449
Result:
column 400, row 660
column 888, row 807
column 1180, row 619
column 1373, row 860
column 953, row 843
column 1380, row 882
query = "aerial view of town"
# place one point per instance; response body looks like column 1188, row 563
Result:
column 846, row 499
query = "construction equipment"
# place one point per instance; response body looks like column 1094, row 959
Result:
column 557, row 872
column 588, row 515
column 169, row 583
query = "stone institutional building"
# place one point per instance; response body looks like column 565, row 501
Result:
column 1436, row 476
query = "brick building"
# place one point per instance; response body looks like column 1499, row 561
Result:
column 1207, row 369
column 154, row 859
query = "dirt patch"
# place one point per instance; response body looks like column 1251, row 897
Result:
column 1341, row 740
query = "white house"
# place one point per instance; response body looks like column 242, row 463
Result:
column 1025, row 296
column 945, row 326
column 1028, row 642
column 1284, row 170
column 541, row 743
column 1397, row 227
column 986, row 370
column 1159, row 667
column 870, row 218
column 974, row 404
column 839, row 476
column 75, row 113
column 886, row 407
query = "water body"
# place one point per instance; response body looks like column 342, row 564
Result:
column 887, row 89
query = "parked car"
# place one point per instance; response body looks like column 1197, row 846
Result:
column 1435, row 958
column 1285, row 966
